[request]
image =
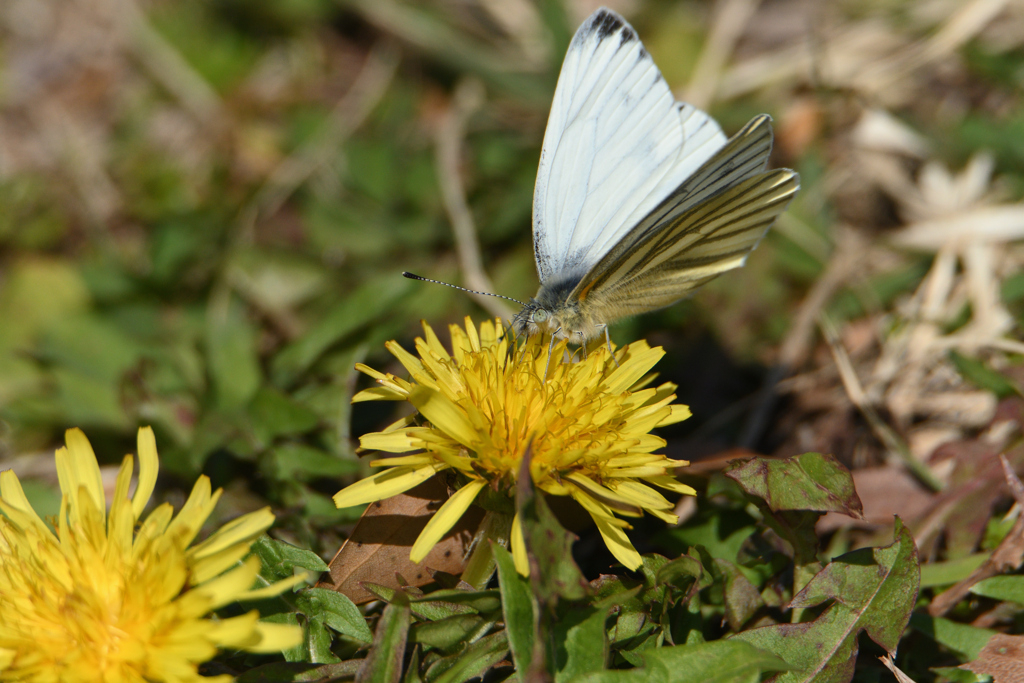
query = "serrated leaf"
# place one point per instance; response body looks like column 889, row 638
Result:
column 335, row 610
column 792, row 494
column 686, row 571
column 582, row 641
column 317, row 643
column 741, row 598
column 874, row 590
column 553, row 573
column 636, row 600
column 441, row 604
column 279, row 558
column 811, row 481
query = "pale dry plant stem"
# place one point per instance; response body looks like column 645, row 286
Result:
column 858, row 397
column 468, row 97
column 731, row 18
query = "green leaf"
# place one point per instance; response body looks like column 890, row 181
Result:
column 581, row 640
column 231, row 355
column 1006, row 588
column 722, row 531
column 446, row 634
column 554, row 575
column 741, row 598
column 519, row 608
column 637, row 602
column 384, row 662
column 951, row 571
column 483, row 602
column 442, row 604
column 91, row 346
column 685, row 572
column 717, row 661
column 296, row 461
column 957, row 675
column 297, row 653
column 964, row 639
column 982, row 376
column 374, row 299
column 276, row 414
column 791, row 494
column 874, row 590
column 300, row 672
column 279, row 558
column 473, row 662
column 811, row 481
column 336, row 611
column 317, row 642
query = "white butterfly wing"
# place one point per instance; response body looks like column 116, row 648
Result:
column 617, row 143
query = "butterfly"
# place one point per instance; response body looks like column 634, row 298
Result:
column 639, row 198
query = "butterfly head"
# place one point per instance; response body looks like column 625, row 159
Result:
column 555, row 312
column 533, row 319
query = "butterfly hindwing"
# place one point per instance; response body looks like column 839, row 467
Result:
column 616, row 144
column 745, row 155
column 689, row 249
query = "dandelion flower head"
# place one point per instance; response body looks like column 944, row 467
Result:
column 587, row 424
column 107, row 599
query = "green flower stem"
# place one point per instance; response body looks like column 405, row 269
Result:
column 497, row 527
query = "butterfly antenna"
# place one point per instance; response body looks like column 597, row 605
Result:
column 413, row 276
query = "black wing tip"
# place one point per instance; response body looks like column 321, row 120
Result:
column 605, row 23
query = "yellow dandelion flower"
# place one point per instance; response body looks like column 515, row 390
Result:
column 106, row 600
column 484, row 403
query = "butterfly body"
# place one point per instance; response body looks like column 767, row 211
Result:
column 639, row 199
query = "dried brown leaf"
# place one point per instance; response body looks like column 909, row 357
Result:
column 1002, row 658
column 378, row 549
column 1009, row 555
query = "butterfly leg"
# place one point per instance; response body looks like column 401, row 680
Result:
column 608, row 342
column 583, row 344
column 551, row 346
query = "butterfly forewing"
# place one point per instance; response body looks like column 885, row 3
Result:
column 617, row 143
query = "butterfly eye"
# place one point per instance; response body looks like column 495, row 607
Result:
column 540, row 315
